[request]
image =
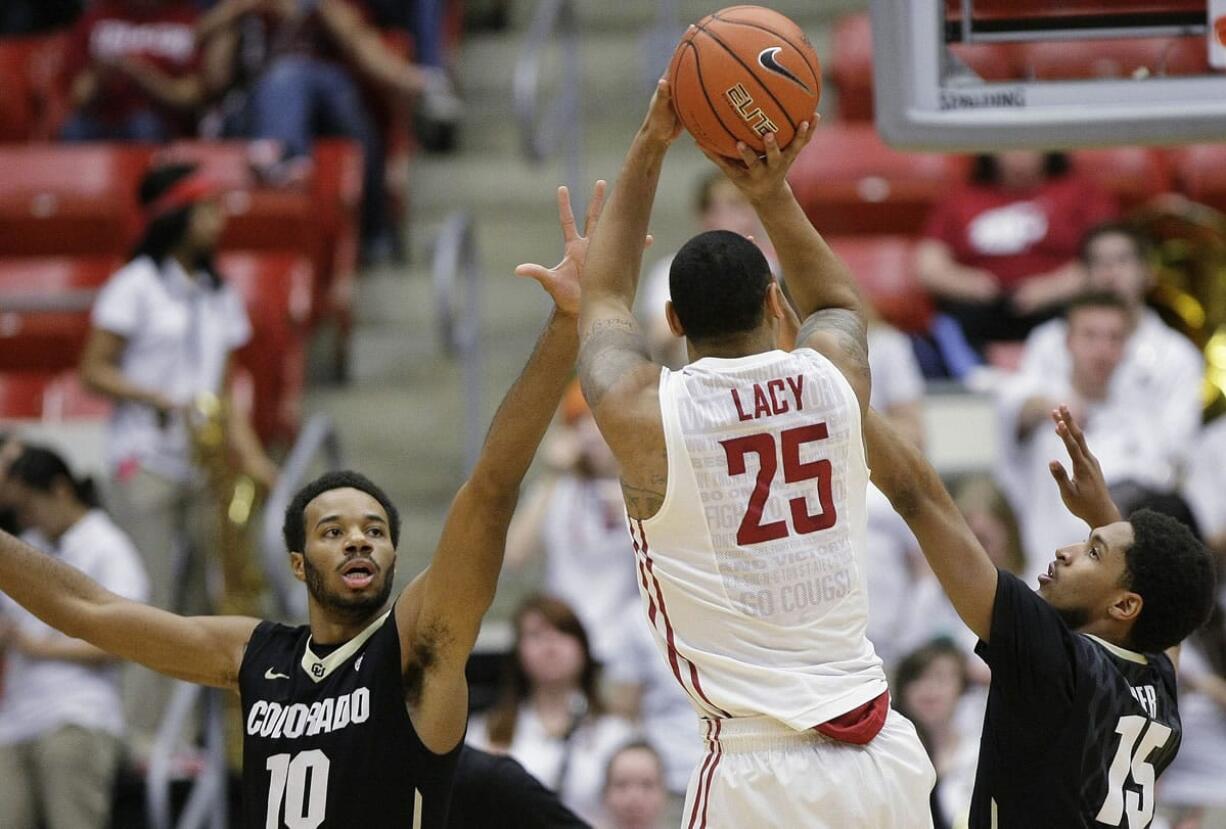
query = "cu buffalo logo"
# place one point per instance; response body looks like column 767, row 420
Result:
column 317, row 669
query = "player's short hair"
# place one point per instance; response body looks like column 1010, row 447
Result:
column 718, row 281
column 1173, row 572
column 293, row 529
column 1141, row 243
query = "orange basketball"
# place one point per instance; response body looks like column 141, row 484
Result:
column 741, row 73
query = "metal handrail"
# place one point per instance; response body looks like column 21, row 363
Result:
column 65, row 302
column 207, row 800
column 319, row 434
column 543, row 131
column 458, row 316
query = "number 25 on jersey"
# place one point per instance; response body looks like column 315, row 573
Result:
column 770, row 454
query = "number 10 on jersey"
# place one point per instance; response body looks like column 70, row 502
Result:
column 770, row 454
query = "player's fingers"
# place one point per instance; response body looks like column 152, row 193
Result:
column 533, row 271
column 803, row 133
column 747, row 155
column 566, row 215
column 773, row 153
column 1062, row 480
column 1074, row 428
column 595, row 206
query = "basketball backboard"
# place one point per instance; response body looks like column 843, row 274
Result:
column 991, row 74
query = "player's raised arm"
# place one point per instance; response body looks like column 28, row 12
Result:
column 613, row 350
column 440, row 613
column 203, row 649
column 915, row 491
column 1085, row 493
column 820, row 284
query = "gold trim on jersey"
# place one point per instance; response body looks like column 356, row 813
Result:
column 1122, row 653
column 320, row 669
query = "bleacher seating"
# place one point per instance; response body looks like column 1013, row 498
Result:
column 850, row 182
column 49, row 339
column 69, row 200
column 1132, row 174
column 883, row 266
column 1200, row 173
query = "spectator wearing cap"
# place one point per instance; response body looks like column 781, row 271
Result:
column 164, row 330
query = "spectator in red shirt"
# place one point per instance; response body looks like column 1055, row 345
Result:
column 1000, row 255
column 137, row 74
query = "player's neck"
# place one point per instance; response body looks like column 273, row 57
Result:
column 758, row 341
column 332, row 627
column 1109, row 631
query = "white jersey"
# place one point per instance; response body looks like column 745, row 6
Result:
column 751, row 571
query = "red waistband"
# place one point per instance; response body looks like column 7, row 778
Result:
column 859, row 725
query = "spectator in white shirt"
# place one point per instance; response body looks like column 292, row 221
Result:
column 1161, row 369
column 61, row 717
column 550, row 716
column 164, row 329
column 1205, row 483
column 575, row 519
column 1124, row 429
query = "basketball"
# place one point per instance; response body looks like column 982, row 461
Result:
column 740, row 73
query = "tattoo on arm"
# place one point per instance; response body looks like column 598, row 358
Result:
column 610, row 348
column 847, row 328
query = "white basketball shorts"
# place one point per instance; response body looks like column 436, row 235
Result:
column 759, row 773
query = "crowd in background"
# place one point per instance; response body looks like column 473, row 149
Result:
column 1028, row 259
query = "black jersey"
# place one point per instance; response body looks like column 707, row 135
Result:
column 328, row 741
column 1077, row 729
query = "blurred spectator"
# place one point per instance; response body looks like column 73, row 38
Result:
column 165, row 327
column 718, row 205
column 550, row 716
column 999, row 255
column 634, row 795
column 297, row 80
column 576, row 518
column 61, row 717
column 643, row 688
column 137, row 73
column 25, row 17
column 1122, row 430
column 930, row 687
column 10, row 449
column 1206, row 483
column 1161, row 369
column 898, row 383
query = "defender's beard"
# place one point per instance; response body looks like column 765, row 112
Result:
column 352, row 608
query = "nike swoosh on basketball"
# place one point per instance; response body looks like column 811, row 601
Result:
column 272, row 674
column 768, row 58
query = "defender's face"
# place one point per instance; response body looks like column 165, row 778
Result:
column 1087, row 578
column 349, row 561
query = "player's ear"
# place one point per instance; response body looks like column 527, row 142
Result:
column 1126, row 607
column 674, row 322
column 775, row 301
column 297, row 563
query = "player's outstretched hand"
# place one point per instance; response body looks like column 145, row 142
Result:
column 762, row 177
column 661, row 124
column 1085, row 493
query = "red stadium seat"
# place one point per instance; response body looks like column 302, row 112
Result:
column 32, row 100
column 1200, row 173
column 276, row 288
column 1133, row 175
column 69, row 200
column 336, row 194
column 851, row 64
column 849, row 182
column 884, row 269
column 49, row 340
column 1117, row 58
column 29, row 395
